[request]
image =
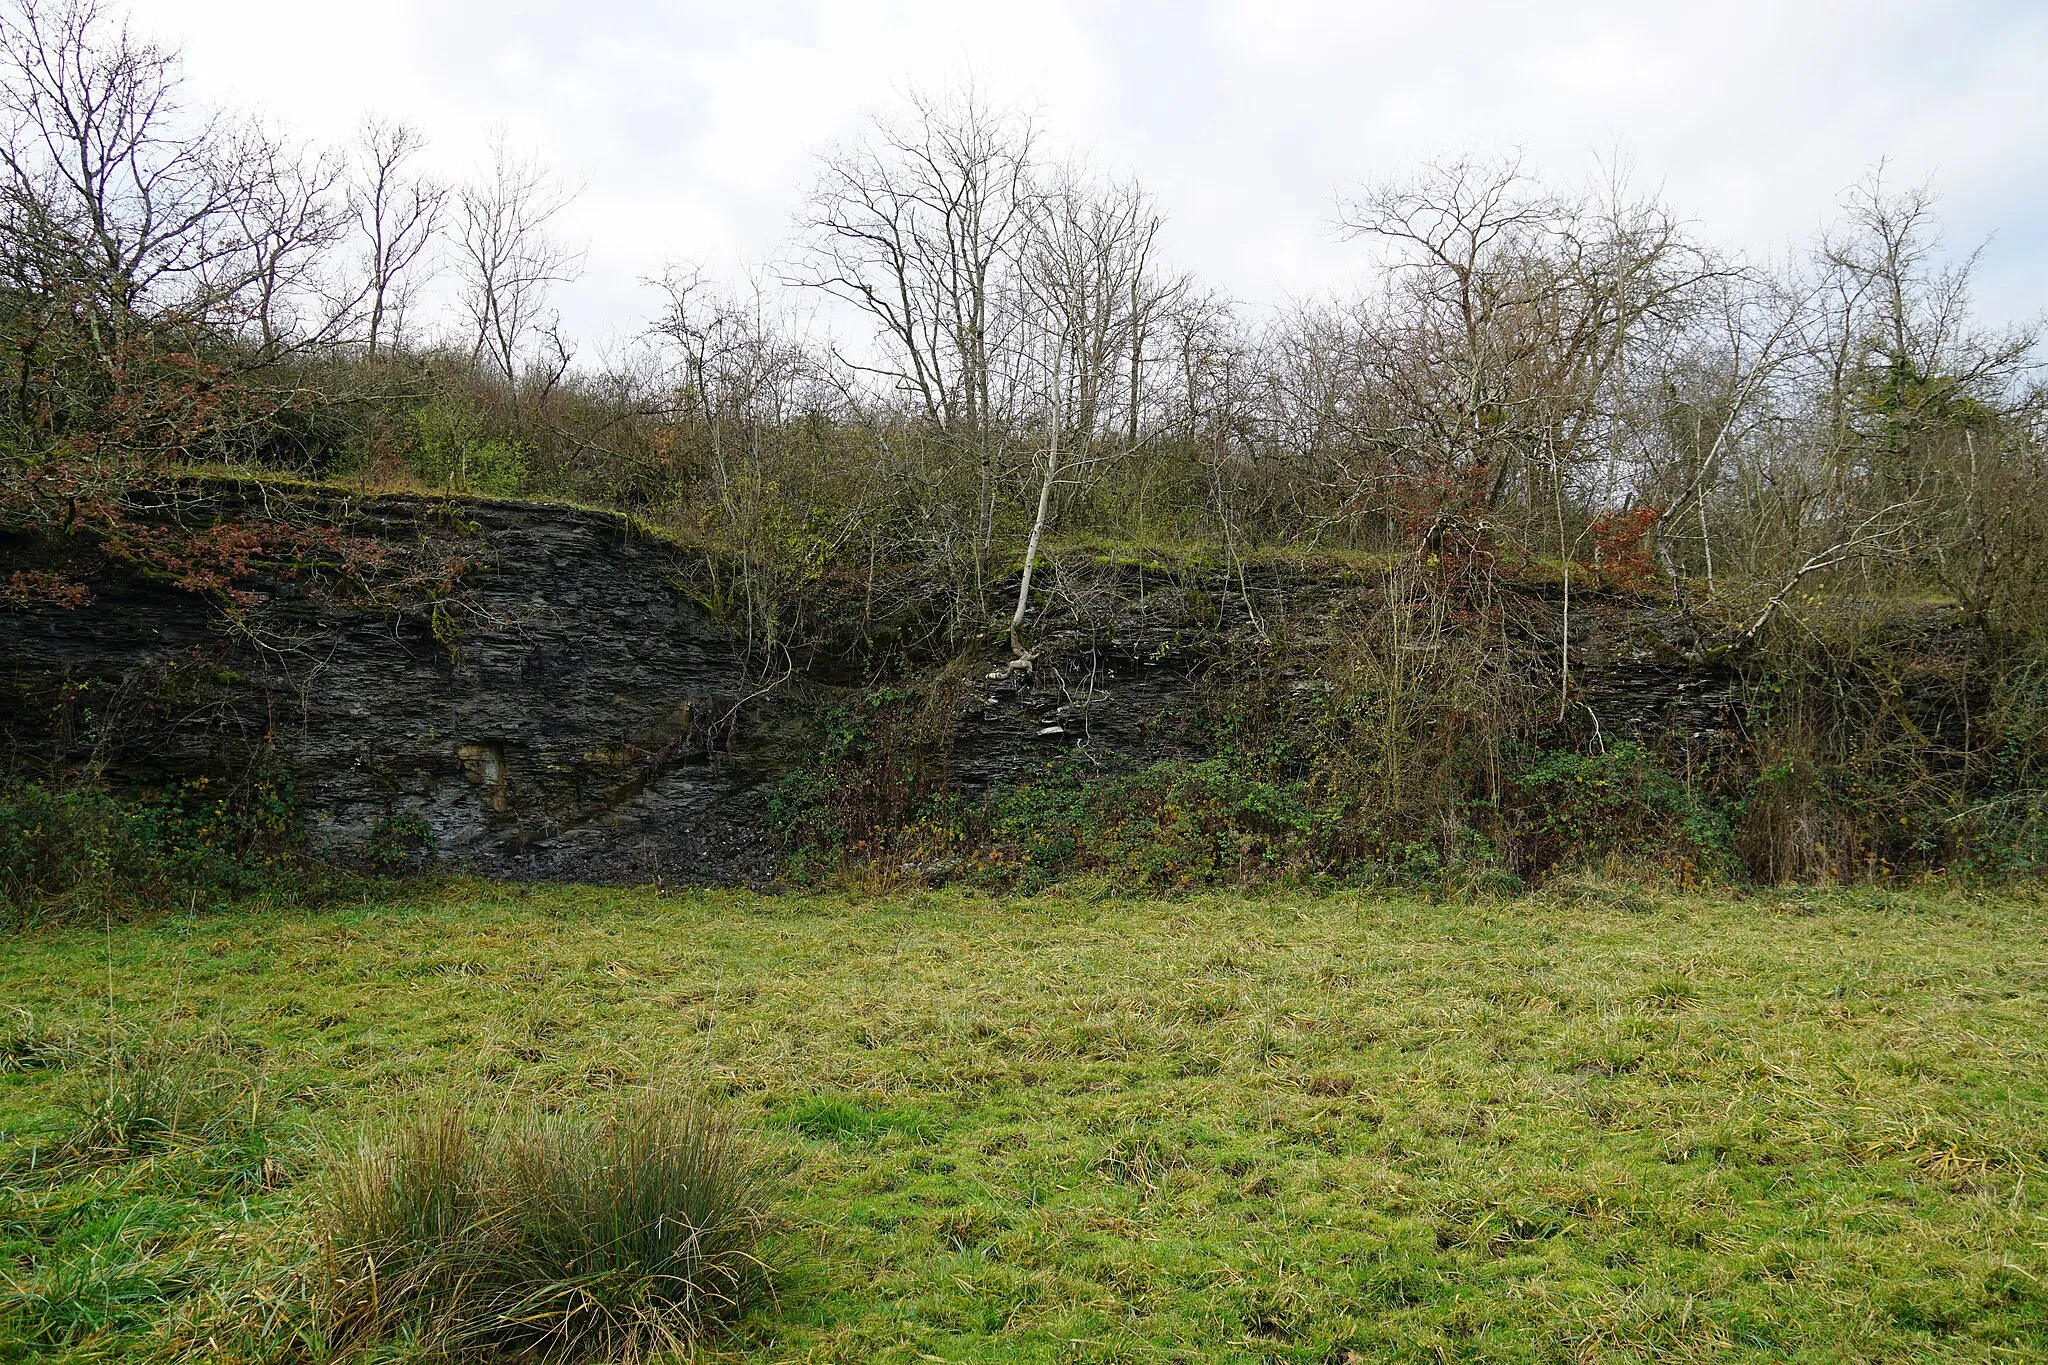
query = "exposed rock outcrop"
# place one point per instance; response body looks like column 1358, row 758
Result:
column 565, row 708
column 540, row 689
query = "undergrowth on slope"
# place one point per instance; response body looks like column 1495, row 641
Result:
column 76, row 851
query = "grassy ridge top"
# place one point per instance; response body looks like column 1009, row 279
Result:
column 1595, row 1126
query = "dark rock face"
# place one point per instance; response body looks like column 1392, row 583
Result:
column 570, row 712
column 1080, row 703
column 1120, row 668
column 564, row 707
column 577, row 722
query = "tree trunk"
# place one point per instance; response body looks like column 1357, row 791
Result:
column 1052, row 473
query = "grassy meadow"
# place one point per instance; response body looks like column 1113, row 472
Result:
column 1599, row 1124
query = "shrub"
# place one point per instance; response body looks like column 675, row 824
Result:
column 2003, row 832
column 57, row 844
column 622, row 1236
column 77, row 849
column 1167, row 826
column 1798, row 826
column 1621, row 803
column 451, row 450
column 397, row 843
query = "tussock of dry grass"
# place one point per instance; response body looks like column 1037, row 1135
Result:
column 618, row 1238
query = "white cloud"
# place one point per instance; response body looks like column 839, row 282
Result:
column 690, row 125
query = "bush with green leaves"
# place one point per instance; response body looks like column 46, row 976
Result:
column 1620, row 802
column 451, row 449
column 397, row 843
column 1169, row 825
column 74, row 849
column 621, row 1236
column 2002, row 829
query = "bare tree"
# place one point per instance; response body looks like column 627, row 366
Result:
column 170, row 255
column 1087, row 271
column 1717, row 393
column 396, row 213
column 1050, row 470
column 289, row 222
column 742, row 379
column 508, row 261
column 919, row 225
column 1512, row 312
column 1926, row 403
column 140, row 190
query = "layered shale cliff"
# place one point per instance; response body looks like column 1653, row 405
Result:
column 551, row 692
column 531, row 685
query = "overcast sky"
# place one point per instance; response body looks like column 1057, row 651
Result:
column 690, row 125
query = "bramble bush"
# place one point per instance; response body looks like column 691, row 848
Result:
column 1577, row 808
column 1167, row 826
column 77, row 849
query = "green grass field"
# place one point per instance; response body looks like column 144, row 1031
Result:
column 1602, row 1126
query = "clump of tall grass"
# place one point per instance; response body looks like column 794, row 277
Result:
column 141, row 1101
column 200, row 1099
column 31, row 1044
column 564, row 1238
column 135, row 1100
